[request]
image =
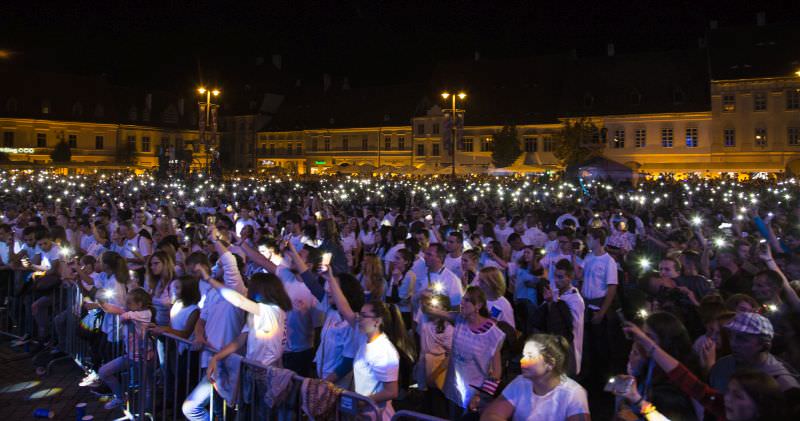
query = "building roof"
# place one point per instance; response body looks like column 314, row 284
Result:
column 745, row 52
column 25, row 94
column 312, row 108
column 645, row 83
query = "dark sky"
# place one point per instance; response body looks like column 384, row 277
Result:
column 166, row 44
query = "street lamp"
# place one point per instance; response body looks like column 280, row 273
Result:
column 204, row 126
column 461, row 96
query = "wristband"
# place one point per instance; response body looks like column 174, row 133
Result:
column 647, row 408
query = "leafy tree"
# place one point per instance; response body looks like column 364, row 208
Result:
column 62, row 152
column 573, row 144
column 506, row 146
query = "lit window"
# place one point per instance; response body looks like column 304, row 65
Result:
column 691, row 137
column 728, row 103
column 619, row 139
column 761, row 137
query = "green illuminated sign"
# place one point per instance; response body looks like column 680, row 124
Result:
column 319, row 162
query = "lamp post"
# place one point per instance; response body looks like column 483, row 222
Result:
column 453, row 128
column 205, row 121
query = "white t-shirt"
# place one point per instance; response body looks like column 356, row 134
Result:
column 454, row 264
column 368, row 239
column 375, row 363
column 576, row 308
column 565, row 400
column 450, row 283
column 266, row 334
column 49, row 258
column 501, row 234
column 534, row 237
column 598, row 273
column 179, row 317
column 501, row 310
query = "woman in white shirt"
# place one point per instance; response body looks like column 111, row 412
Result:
column 369, row 236
column 493, row 284
column 264, row 333
column 401, row 284
column 542, row 392
column 376, row 366
column 160, row 283
column 477, row 342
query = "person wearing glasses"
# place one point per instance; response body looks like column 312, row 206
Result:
column 381, row 338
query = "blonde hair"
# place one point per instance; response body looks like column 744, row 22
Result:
column 372, row 274
column 157, row 284
column 494, row 279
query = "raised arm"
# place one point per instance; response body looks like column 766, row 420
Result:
column 342, row 305
column 235, row 298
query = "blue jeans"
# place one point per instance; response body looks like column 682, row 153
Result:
column 194, row 407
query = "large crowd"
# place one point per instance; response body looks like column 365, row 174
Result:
column 525, row 298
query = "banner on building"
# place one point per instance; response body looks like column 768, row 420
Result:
column 214, row 110
column 447, row 131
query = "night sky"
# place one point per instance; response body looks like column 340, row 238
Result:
column 170, row 44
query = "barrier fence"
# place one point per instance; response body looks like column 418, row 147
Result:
column 161, row 377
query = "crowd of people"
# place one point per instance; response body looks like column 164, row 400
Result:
column 525, row 298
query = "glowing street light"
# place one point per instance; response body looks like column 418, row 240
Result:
column 461, row 96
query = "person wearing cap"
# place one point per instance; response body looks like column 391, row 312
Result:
column 750, row 340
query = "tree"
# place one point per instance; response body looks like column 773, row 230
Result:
column 573, row 144
column 62, row 152
column 506, row 147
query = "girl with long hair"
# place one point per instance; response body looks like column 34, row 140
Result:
column 264, row 333
column 382, row 342
column 401, row 284
column 159, row 282
column 371, row 277
column 543, row 391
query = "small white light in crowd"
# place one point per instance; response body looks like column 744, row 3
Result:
column 644, row 263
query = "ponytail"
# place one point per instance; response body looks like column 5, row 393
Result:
column 394, row 328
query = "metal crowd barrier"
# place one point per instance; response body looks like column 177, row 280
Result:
column 411, row 415
column 156, row 385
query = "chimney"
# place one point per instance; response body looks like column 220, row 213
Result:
column 610, row 49
column 277, row 61
column 761, row 18
column 346, row 84
column 713, row 24
column 477, row 55
column 326, row 82
column 180, row 106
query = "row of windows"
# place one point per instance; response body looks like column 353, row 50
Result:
column 421, row 128
column 345, row 144
column 531, row 144
column 760, row 101
column 99, row 141
column 291, row 149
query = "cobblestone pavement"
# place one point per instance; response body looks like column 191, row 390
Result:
column 22, row 391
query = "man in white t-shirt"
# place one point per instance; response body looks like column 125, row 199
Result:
column 568, row 294
column 564, row 250
column 219, row 323
column 502, row 230
column 454, row 245
column 438, row 278
column 599, row 290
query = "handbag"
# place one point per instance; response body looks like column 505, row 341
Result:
column 89, row 324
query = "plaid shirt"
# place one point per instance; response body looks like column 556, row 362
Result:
column 712, row 400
